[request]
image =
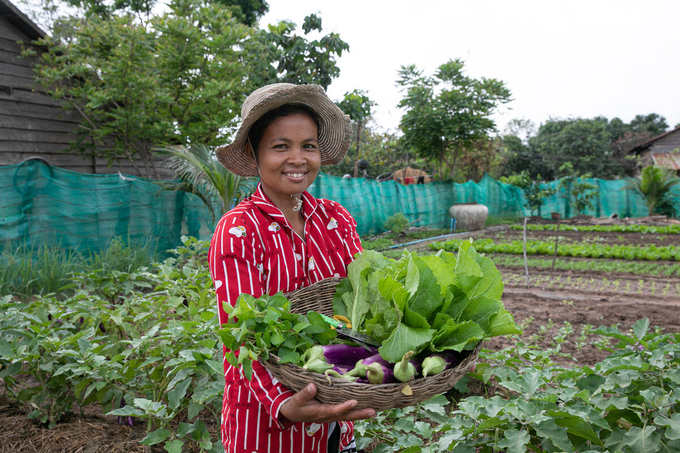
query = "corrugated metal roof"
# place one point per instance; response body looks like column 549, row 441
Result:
column 667, row 160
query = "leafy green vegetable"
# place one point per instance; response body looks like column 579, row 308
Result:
column 264, row 325
column 438, row 302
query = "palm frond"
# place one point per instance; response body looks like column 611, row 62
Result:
column 202, row 174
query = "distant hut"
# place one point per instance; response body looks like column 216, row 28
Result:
column 32, row 124
column 662, row 150
column 410, row 175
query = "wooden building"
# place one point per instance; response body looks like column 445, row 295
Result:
column 662, row 150
column 31, row 123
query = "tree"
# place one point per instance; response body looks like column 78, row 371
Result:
column 533, row 192
column 358, row 106
column 176, row 79
column 278, row 54
column 248, row 12
column 580, row 194
column 203, row 175
column 585, row 143
column 655, row 185
column 654, row 124
column 447, row 113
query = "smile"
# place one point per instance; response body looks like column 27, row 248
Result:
column 295, row 175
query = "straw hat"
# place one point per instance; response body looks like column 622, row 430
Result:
column 335, row 128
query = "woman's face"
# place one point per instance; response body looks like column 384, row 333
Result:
column 288, row 155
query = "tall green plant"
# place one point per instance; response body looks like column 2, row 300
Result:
column 533, row 192
column 203, row 175
column 655, row 185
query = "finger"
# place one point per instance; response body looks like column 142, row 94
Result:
column 358, row 414
column 306, row 394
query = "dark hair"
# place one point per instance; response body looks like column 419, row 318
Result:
column 257, row 130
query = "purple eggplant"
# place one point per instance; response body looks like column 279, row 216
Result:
column 321, row 358
column 374, row 368
column 438, row 362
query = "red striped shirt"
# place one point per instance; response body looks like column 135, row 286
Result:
column 254, row 250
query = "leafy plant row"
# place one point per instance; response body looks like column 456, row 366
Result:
column 645, row 229
column 626, row 252
column 630, row 267
column 628, row 403
column 143, row 345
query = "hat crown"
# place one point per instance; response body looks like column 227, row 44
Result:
column 261, row 94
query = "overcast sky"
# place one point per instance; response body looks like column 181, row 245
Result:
column 560, row 59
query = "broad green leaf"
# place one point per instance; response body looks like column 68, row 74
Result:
column 640, row 328
column 615, row 441
column 174, row 446
column 491, row 284
column 515, row 441
column 127, row 411
column 403, row 340
column 672, row 423
column 441, row 266
column 468, row 272
column 502, row 323
column 479, row 310
column 175, row 395
column 642, row 440
column 575, row 425
column 425, row 298
column 673, row 375
column 456, row 336
column 548, row 429
column 156, row 437
column 415, row 320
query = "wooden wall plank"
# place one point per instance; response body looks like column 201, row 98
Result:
column 19, row 82
column 11, row 68
column 13, row 50
column 10, row 135
column 9, row 31
column 30, row 97
column 38, row 111
column 7, row 148
column 57, row 159
column 24, row 123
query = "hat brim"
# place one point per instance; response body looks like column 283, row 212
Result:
column 335, row 128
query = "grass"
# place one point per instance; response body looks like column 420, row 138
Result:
column 27, row 271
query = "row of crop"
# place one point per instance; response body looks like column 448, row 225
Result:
column 626, row 252
column 621, row 266
column 645, row 229
column 143, row 345
column 628, row 403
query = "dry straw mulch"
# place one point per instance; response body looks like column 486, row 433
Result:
column 89, row 434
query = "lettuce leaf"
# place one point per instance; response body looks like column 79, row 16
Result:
column 403, row 340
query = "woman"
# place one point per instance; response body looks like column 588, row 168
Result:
column 281, row 239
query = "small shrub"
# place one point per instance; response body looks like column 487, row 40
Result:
column 397, row 223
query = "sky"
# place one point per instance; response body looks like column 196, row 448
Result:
column 560, row 59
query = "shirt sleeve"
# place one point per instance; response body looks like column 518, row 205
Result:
column 234, row 269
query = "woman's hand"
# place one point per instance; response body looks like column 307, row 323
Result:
column 302, row 407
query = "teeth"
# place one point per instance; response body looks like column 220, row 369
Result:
column 296, row 175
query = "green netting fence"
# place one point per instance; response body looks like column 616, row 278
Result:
column 41, row 204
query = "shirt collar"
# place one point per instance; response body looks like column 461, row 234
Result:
column 263, row 202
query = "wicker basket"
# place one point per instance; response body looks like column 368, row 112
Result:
column 318, row 297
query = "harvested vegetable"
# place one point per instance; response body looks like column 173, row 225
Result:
column 438, row 303
column 438, row 362
column 405, row 371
